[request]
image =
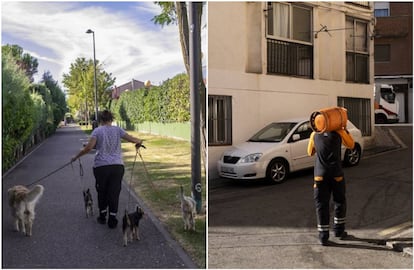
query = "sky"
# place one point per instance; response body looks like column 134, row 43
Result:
column 127, row 43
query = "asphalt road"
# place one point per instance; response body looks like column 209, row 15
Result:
column 256, row 225
column 62, row 235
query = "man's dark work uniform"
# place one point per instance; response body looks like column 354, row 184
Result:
column 329, row 179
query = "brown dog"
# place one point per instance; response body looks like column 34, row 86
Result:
column 22, row 203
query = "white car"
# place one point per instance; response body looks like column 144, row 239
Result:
column 278, row 149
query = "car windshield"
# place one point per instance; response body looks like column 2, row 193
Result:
column 275, row 132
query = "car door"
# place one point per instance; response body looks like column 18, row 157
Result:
column 298, row 143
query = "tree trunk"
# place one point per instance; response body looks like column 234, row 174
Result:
column 182, row 17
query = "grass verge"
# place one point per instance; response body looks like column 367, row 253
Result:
column 167, row 167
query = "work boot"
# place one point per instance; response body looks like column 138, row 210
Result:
column 323, row 238
column 341, row 234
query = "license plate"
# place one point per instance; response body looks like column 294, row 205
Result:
column 227, row 169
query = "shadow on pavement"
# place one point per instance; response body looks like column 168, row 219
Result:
column 368, row 243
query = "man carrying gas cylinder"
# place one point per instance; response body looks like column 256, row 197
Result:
column 330, row 132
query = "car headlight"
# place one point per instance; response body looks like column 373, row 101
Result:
column 251, row 158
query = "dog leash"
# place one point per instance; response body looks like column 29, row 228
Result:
column 138, row 152
column 147, row 173
column 130, row 180
column 80, row 173
column 49, row 174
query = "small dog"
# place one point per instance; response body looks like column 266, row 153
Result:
column 22, row 203
column 87, row 197
column 188, row 209
column 130, row 225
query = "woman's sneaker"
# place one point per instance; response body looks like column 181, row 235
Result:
column 112, row 222
column 101, row 219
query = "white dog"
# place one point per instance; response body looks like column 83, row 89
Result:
column 188, row 208
column 22, row 202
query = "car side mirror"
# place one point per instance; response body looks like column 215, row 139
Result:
column 295, row 137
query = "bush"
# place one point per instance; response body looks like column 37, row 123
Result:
column 169, row 102
column 18, row 110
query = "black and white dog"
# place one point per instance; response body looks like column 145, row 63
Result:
column 130, row 225
column 87, row 198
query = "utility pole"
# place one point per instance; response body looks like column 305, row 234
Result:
column 195, row 60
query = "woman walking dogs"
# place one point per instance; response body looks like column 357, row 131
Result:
column 108, row 167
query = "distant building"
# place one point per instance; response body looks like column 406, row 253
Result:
column 393, row 44
column 129, row 86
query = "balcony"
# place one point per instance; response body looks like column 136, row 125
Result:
column 289, row 58
column 364, row 4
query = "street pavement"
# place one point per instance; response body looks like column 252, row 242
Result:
column 255, row 225
column 62, row 235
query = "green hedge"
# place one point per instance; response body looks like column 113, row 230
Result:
column 18, row 108
column 29, row 112
column 168, row 105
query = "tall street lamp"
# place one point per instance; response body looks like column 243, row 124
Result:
column 89, row 31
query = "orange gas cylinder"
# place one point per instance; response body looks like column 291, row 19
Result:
column 329, row 119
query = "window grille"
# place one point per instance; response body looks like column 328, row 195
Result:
column 219, row 120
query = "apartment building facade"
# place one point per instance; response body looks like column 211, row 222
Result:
column 271, row 61
column 393, row 45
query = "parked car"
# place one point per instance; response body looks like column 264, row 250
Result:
column 278, row 149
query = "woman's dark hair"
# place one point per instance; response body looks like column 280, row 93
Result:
column 105, row 116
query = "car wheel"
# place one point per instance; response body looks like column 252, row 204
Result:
column 352, row 157
column 380, row 119
column 277, row 171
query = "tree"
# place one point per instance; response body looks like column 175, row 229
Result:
column 57, row 97
column 25, row 61
column 80, row 84
column 176, row 12
column 49, row 119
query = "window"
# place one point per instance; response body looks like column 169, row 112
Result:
column 357, row 57
column 382, row 53
column 381, row 9
column 381, row 13
column 304, row 131
column 289, row 21
column 359, row 112
column 219, row 120
column 289, row 40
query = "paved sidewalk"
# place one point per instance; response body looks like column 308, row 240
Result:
column 62, row 235
column 401, row 238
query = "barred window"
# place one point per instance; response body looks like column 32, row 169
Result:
column 219, row 120
column 359, row 112
column 289, row 40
